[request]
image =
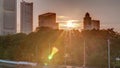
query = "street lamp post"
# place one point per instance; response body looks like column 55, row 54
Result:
column 65, row 56
column 49, row 54
column 108, row 41
column 84, row 62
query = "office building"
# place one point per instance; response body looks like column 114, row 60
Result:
column 48, row 20
column 8, row 17
column 87, row 22
column 90, row 24
column 96, row 24
column 26, row 17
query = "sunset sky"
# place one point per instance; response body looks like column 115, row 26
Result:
column 107, row 11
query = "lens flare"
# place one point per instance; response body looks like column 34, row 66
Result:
column 54, row 51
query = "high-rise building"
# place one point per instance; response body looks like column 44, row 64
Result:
column 87, row 22
column 8, row 18
column 90, row 24
column 26, row 17
column 48, row 20
column 96, row 24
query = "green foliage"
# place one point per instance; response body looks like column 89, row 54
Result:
column 37, row 46
column 9, row 44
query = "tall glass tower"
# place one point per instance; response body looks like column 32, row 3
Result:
column 8, row 18
column 26, row 17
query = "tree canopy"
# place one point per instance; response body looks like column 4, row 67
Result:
column 36, row 46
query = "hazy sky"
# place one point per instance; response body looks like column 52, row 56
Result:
column 107, row 11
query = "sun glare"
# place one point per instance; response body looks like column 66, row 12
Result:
column 69, row 25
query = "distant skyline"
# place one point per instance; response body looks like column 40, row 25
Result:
column 107, row 11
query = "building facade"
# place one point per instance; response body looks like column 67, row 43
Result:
column 90, row 24
column 26, row 17
column 48, row 20
column 96, row 24
column 87, row 22
column 8, row 17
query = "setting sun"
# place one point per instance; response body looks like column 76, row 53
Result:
column 69, row 25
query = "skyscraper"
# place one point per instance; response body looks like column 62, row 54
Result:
column 26, row 17
column 8, row 16
column 90, row 24
column 87, row 22
column 48, row 20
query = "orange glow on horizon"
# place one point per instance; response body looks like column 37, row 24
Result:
column 69, row 25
